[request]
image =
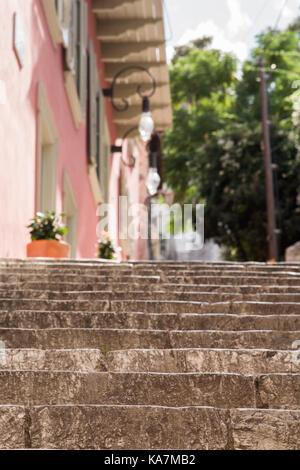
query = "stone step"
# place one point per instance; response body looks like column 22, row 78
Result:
column 153, row 287
column 150, row 306
column 240, row 361
column 114, row 339
column 234, row 339
column 166, row 321
column 186, row 296
column 238, row 307
column 79, row 338
column 85, row 279
column 222, row 390
column 235, row 322
column 144, row 263
column 43, row 319
column 236, row 280
column 165, row 276
column 148, row 428
column 223, row 288
column 84, row 360
column 149, row 270
column 14, row 427
column 63, row 387
column 140, row 266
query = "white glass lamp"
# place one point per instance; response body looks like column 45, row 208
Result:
column 146, row 125
column 152, row 181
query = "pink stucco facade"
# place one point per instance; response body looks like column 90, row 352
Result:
column 19, row 134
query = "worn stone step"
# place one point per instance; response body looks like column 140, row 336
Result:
column 114, row 339
column 240, row 361
column 235, row 322
column 238, row 307
column 243, row 361
column 149, row 427
column 185, row 277
column 212, row 389
column 137, row 263
column 236, row 280
column 79, row 338
column 152, row 306
column 240, row 289
column 83, row 279
column 44, row 319
column 153, row 287
column 224, row 390
column 125, row 295
column 234, row 339
column 14, row 425
column 137, row 266
column 150, row 280
column 142, row 295
column 149, row 270
column 216, row 264
column 231, row 271
column 165, row 321
column 85, row 360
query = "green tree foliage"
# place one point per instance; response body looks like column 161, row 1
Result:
column 213, row 153
column 181, row 51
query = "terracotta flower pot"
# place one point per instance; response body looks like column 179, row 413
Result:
column 48, row 249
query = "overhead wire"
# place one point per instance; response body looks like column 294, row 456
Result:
column 256, row 18
column 280, row 14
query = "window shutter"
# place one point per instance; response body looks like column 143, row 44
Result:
column 102, row 156
column 104, row 153
column 83, row 55
column 93, row 87
column 72, row 19
column 65, row 20
column 59, row 5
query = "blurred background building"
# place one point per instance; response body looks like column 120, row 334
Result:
column 60, row 130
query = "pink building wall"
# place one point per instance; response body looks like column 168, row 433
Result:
column 18, row 133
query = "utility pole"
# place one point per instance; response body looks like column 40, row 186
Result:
column 270, row 200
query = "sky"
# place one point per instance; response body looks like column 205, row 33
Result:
column 232, row 23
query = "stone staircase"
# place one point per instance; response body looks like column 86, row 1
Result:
column 149, row 355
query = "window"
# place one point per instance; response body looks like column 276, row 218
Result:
column 67, row 20
column 102, row 146
column 47, row 155
column 98, row 134
column 74, row 25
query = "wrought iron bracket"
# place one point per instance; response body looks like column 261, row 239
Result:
column 110, row 92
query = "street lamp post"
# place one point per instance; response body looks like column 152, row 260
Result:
column 152, row 183
column 271, row 214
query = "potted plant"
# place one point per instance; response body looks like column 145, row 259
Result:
column 106, row 249
column 46, row 232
